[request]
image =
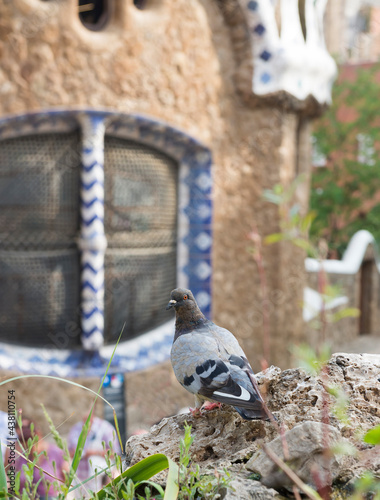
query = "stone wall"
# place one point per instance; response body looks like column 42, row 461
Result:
column 182, row 62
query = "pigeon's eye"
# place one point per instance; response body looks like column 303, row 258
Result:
column 185, row 297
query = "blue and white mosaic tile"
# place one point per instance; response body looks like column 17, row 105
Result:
column 287, row 61
column 194, row 267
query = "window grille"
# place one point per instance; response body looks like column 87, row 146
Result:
column 39, row 222
column 141, row 230
column 39, row 229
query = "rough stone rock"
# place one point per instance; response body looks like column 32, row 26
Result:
column 222, row 439
column 244, row 487
column 305, row 444
column 298, row 396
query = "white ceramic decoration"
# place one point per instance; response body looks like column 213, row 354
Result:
column 286, row 61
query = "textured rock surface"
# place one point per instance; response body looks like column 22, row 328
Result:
column 306, row 443
column 221, row 436
column 223, row 439
column 299, row 395
column 243, row 487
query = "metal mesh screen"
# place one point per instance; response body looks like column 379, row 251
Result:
column 39, row 212
column 138, row 284
column 39, row 191
column 39, row 294
column 39, row 224
column 141, row 228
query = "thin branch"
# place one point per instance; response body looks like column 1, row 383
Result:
column 309, row 492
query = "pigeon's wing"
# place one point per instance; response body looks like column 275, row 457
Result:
column 225, row 338
column 204, row 367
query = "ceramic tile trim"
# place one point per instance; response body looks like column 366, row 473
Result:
column 194, row 266
column 287, row 61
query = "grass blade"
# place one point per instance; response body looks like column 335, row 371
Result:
column 71, row 382
column 86, row 427
column 172, row 487
column 144, row 470
column 3, row 476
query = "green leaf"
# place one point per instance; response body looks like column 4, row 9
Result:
column 147, row 468
column 172, row 487
column 348, row 312
column 273, row 238
column 373, row 436
column 302, row 243
column 272, row 197
column 153, row 485
column 307, row 220
column 310, row 360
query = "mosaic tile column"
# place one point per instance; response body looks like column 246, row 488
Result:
column 93, row 242
column 195, row 227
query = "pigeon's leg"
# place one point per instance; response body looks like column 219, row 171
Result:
column 208, row 405
column 196, row 412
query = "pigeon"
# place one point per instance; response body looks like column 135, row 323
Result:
column 208, row 361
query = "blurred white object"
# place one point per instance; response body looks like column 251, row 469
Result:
column 288, row 61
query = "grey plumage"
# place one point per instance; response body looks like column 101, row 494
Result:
column 209, row 362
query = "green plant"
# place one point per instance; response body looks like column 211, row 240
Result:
column 123, row 487
column 294, row 228
column 344, row 192
column 368, row 484
column 193, row 484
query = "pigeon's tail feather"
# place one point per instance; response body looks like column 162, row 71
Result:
column 252, row 414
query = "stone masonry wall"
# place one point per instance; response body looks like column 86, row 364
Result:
column 175, row 62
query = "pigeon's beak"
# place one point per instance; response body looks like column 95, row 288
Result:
column 171, row 304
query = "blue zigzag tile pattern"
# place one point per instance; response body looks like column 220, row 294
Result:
column 194, row 265
column 93, row 241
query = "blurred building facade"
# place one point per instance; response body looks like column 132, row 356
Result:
column 176, row 116
column 353, row 30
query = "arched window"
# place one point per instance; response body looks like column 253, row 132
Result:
column 101, row 215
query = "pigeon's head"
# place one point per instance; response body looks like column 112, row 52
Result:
column 181, row 298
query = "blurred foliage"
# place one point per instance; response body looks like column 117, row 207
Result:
column 310, row 360
column 294, row 226
column 343, row 193
column 373, row 436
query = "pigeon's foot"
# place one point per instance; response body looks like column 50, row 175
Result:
column 196, row 412
column 211, row 406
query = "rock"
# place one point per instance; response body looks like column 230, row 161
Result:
column 220, row 436
column 223, row 440
column 298, row 396
column 305, row 445
column 242, row 487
